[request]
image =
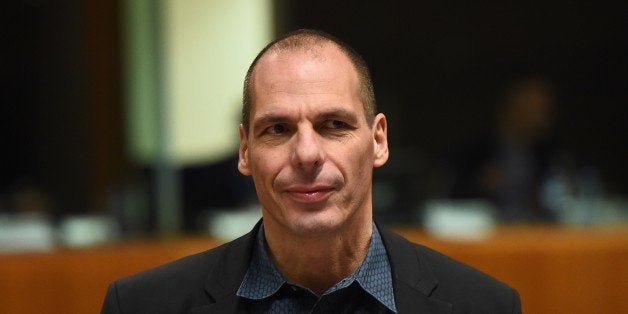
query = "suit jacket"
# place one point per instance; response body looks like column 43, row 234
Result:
column 424, row 281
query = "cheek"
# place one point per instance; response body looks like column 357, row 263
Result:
column 265, row 164
column 356, row 164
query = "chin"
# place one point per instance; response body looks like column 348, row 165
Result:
column 316, row 225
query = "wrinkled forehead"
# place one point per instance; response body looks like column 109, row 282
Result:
column 303, row 75
column 325, row 71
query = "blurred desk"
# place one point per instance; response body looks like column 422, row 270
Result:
column 75, row 280
column 555, row 269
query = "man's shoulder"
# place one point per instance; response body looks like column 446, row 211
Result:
column 468, row 287
column 182, row 283
column 197, row 266
column 187, row 268
column 166, row 287
column 441, row 277
column 453, row 274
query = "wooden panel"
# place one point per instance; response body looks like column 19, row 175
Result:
column 556, row 270
column 75, row 281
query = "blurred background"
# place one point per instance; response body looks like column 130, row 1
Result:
column 118, row 119
column 129, row 110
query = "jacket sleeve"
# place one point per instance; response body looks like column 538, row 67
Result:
column 111, row 304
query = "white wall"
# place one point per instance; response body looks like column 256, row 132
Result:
column 206, row 47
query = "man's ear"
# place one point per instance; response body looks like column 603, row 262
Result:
column 243, row 153
column 380, row 140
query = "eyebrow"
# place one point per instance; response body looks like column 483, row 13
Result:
column 337, row 113
column 270, row 118
column 341, row 114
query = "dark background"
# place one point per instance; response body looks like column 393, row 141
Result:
column 439, row 69
column 439, row 66
column 61, row 123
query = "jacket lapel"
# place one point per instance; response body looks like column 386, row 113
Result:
column 226, row 306
column 413, row 281
column 223, row 281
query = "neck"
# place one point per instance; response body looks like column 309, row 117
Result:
column 318, row 262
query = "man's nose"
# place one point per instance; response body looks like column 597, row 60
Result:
column 308, row 153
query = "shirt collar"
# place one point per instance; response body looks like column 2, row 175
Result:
column 263, row 279
column 375, row 275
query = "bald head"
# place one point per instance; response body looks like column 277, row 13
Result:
column 312, row 42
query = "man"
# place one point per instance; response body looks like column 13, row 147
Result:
column 310, row 138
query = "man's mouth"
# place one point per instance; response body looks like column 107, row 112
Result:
column 310, row 194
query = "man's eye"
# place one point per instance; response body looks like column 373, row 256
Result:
column 336, row 124
column 277, row 129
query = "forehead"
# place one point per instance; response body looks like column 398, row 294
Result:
column 304, row 76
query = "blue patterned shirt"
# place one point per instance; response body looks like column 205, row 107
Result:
column 368, row 290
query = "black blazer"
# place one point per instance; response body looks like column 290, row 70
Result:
column 424, row 281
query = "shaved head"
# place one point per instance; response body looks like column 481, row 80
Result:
column 311, row 41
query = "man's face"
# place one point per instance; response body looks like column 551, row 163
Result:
column 309, row 147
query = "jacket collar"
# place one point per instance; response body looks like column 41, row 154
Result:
column 413, row 281
column 223, row 281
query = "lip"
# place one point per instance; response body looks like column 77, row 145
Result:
column 310, row 194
